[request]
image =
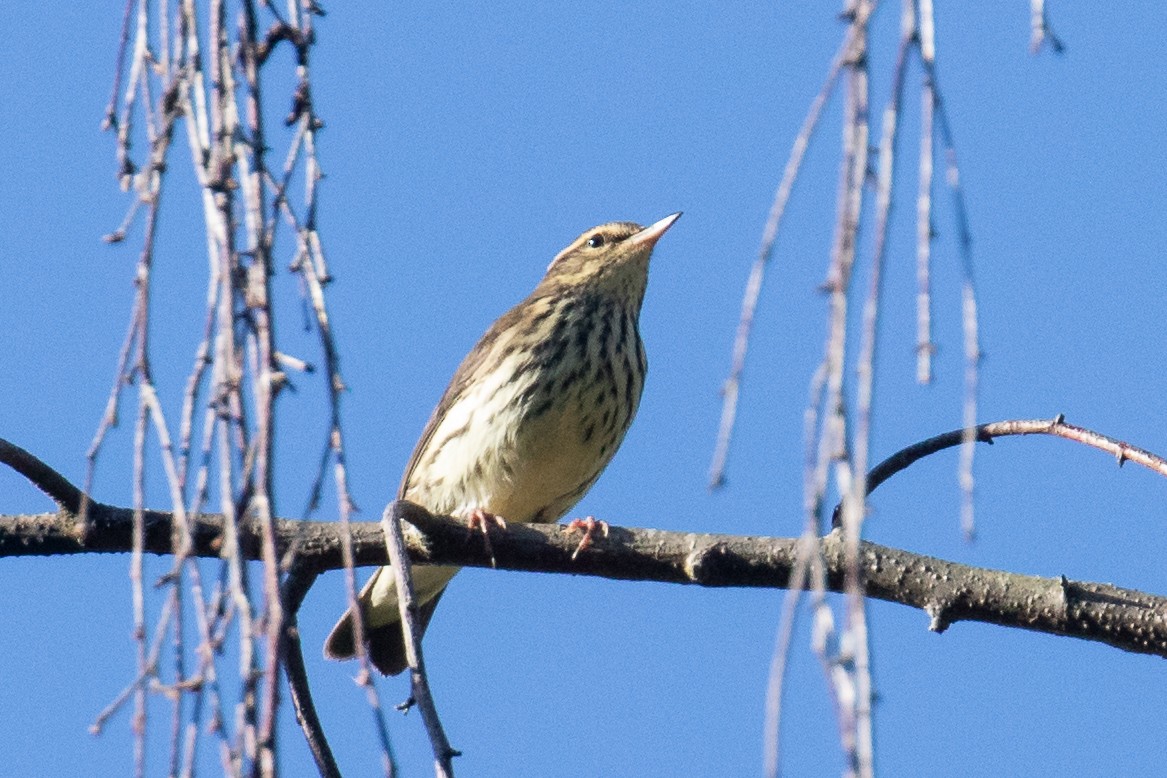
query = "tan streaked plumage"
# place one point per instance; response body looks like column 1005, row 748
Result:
column 531, row 417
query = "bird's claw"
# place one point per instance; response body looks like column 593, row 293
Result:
column 481, row 520
column 588, row 527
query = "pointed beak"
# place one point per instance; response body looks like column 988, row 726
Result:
column 651, row 234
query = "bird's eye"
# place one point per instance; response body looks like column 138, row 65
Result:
column 596, row 241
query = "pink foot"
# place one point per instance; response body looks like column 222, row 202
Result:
column 481, row 520
column 588, row 527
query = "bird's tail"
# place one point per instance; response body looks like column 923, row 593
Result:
column 383, row 632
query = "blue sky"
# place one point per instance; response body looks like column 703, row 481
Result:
column 463, row 150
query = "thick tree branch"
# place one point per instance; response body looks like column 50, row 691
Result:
column 947, row 591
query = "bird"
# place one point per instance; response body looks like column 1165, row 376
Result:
column 530, row 419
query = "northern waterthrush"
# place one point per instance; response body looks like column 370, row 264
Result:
column 531, row 417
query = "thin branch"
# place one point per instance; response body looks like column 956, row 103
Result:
column 310, row 266
column 391, row 525
column 1122, row 451
column 137, row 595
column 55, row 486
column 295, row 589
column 969, row 316
column 1040, row 30
column 831, row 440
column 266, row 380
column 855, row 503
column 925, row 231
column 732, row 386
column 143, row 678
column 110, row 119
column 776, row 682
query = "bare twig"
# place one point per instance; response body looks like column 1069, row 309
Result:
column 267, row 379
column 149, row 670
column 110, row 119
column 56, row 487
column 309, row 264
column 1122, row 451
column 808, row 549
column 295, row 589
column 1041, row 32
column 732, row 386
column 969, row 318
column 854, row 499
column 162, row 77
column 391, row 521
column 924, row 228
column 137, row 597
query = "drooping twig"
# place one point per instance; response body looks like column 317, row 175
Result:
column 968, row 298
column 808, row 549
column 296, row 586
column 110, row 119
column 852, row 689
column 391, row 521
column 143, row 677
column 137, row 596
column 854, row 500
column 925, row 348
column 732, row 386
column 228, row 144
column 295, row 589
column 267, row 380
column 311, row 268
column 1040, row 30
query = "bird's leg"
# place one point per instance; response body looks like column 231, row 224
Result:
column 479, row 519
column 588, row 527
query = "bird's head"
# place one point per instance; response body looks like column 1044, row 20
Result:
column 612, row 257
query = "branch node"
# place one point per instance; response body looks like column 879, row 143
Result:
column 696, row 565
column 938, row 620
